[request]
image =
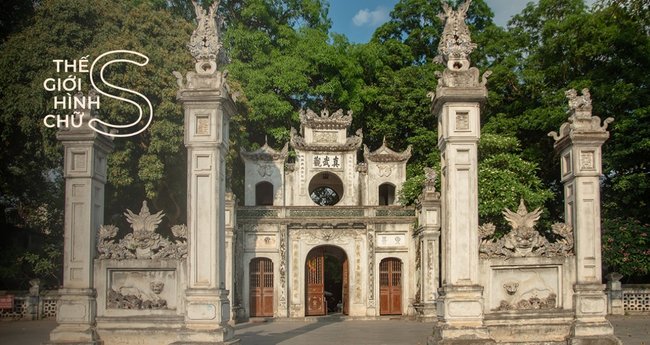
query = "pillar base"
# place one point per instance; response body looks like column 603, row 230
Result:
column 73, row 334
column 445, row 335
column 590, row 326
column 460, row 308
column 207, row 318
column 599, row 340
column 76, row 311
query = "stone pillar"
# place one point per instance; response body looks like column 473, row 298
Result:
column 579, row 146
column 231, row 223
column 457, row 104
column 207, row 106
column 84, row 170
column 458, row 110
column 615, row 294
column 428, row 211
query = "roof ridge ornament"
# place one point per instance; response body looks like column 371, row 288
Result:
column 456, row 42
column 204, row 44
column 325, row 120
column 580, row 118
column 386, row 154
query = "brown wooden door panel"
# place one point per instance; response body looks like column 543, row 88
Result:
column 390, row 287
column 315, row 283
column 261, row 287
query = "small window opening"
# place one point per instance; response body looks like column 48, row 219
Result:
column 264, row 194
column 386, row 194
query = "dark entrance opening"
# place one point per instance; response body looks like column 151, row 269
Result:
column 327, row 282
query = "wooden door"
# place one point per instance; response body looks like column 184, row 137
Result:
column 346, row 287
column 261, row 287
column 390, row 287
column 315, row 283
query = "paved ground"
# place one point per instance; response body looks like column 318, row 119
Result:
column 632, row 330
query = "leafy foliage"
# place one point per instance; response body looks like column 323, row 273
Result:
column 626, row 246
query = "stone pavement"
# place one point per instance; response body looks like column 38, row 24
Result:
column 632, row 330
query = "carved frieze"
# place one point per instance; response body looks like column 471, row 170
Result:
column 351, row 143
column 524, row 240
column 143, row 242
column 325, row 137
column 317, row 236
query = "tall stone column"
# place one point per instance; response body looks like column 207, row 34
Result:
column 428, row 212
column 579, row 145
column 457, row 104
column 207, row 106
column 84, row 170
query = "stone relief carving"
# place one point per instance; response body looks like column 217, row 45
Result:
column 295, row 299
column 581, row 119
column 462, row 121
column 527, row 288
column 143, row 242
column 325, row 137
column 283, row 268
column 587, row 160
column 511, row 287
column 456, row 42
column 328, row 235
column 371, row 269
column 204, row 43
column 548, row 302
column 265, row 170
column 384, row 170
column 351, row 143
column 460, row 78
column 454, row 49
column 524, row 240
column 357, row 270
column 418, row 270
column 134, row 298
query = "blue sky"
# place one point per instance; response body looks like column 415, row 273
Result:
column 358, row 19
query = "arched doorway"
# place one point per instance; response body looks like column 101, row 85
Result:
column 261, row 287
column 326, row 281
column 390, row 286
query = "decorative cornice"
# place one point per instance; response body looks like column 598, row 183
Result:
column 385, row 154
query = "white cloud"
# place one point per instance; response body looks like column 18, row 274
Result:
column 371, row 18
